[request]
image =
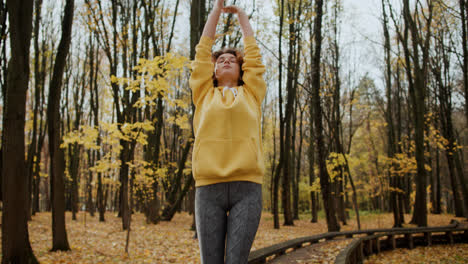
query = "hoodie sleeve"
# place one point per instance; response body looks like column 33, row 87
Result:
column 202, row 70
column 253, row 70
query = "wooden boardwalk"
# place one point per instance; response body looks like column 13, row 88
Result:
column 371, row 241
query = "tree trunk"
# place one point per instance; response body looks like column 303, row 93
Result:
column 74, row 159
column 311, row 154
column 437, row 195
column 298, row 165
column 15, row 237
column 464, row 26
column 461, row 179
column 36, row 147
column 447, row 130
column 3, row 74
column 294, row 172
column 175, row 196
column 403, row 197
column 197, row 22
column 391, row 149
column 417, row 61
column 286, row 179
column 336, row 117
column 94, row 104
column 123, row 190
column 441, row 68
column 280, row 165
column 328, row 203
column 32, row 149
column 57, row 160
column 89, row 189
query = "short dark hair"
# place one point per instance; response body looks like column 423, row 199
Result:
column 240, row 60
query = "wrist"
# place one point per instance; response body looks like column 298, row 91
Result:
column 216, row 11
column 241, row 12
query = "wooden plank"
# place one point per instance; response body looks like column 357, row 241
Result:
column 449, row 237
column 428, row 238
column 377, row 245
column 391, row 242
column 409, row 240
column 360, row 252
column 370, row 250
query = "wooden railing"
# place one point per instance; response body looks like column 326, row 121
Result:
column 261, row 255
column 362, row 247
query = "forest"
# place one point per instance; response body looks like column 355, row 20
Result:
column 97, row 118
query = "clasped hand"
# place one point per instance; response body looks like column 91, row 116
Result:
column 228, row 9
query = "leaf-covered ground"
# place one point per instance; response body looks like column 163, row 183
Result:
column 167, row 242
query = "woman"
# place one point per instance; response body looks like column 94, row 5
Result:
column 227, row 160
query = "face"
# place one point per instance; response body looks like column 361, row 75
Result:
column 227, row 67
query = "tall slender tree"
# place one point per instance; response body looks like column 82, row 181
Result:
column 391, row 149
column 15, row 237
column 39, row 122
column 417, row 61
column 279, row 166
column 336, row 125
column 294, row 12
column 464, row 25
column 197, row 22
column 311, row 152
column 3, row 70
column 57, row 159
column 94, row 104
column 325, row 185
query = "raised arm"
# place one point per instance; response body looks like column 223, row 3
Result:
column 210, row 27
column 202, row 67
column 252, row 66
column 243, row 19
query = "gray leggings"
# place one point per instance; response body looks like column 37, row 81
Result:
column 219, row 230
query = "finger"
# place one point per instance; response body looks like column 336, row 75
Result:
column 230, row 9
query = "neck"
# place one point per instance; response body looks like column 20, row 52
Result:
column 228, row 83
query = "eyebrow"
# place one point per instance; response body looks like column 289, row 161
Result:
column 226, row 57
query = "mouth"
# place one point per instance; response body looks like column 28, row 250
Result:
column 226, row 67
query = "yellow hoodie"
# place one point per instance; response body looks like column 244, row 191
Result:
column 228, row 142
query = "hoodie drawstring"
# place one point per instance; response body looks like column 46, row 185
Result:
column 233, row 90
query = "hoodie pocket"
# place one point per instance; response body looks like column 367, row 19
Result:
column 225, row 157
